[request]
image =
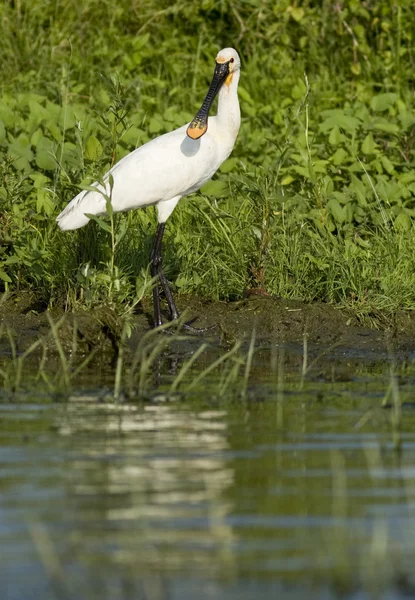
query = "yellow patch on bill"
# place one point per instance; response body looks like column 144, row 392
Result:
column 196, row 132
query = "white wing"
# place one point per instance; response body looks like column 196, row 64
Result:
column 169, row 166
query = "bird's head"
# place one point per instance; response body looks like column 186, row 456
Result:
column 228, row 60
column 227, row 63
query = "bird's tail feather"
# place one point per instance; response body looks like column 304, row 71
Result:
column 74, row 215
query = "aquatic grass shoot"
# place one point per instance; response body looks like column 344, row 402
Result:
column 30, row 366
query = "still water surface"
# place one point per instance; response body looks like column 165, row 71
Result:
column 289, row 493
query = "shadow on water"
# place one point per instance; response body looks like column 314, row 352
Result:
column 292, row 489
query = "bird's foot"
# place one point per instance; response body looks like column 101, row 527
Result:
column 189, row 327
column 178, row 324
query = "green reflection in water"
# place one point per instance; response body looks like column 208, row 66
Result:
column 284, row 491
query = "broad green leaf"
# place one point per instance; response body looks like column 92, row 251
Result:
column 407, row 177
column 338, row 118
column 44, row 203
column 336, row 137
column 93, row 148
column 358, row 187
column 336, row 210
column 7, row 115
column 5, row 277
column 156, row 124
column 402, row 222
column 67, row 119
column 20, row 148
column 296, row 12
column 287, row 180
column 22, row 164
column 368, row 145
column 299, row 90
column 39, row 180
column 37, row 136
column 318, row 166
column 381, row 124
column 38, row 112
column 382, row 102
column 54, row 130
column 216, row 188
column 45, row 160
column 387, row 165
column 339, row 156
column 228, row 165
column 356, row 68
column 133, row 137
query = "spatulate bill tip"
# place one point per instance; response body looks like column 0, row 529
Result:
column 196, row 130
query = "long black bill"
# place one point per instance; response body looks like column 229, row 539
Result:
column 199, row 125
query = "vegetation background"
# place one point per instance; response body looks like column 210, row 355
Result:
column 317, row 200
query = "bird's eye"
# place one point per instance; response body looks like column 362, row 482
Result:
column 232, row 60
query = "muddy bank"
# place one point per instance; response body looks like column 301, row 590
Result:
column 25, row 320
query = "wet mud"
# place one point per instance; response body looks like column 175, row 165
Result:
column 24, row 320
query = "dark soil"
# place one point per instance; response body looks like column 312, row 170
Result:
column 275, row 321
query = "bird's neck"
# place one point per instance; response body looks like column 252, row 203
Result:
column 229, row 114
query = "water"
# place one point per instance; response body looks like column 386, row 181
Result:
column 288, row 493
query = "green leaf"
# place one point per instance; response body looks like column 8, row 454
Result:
column 39, row 180
column 122, row 230
column 44, row 202
column 368, row 145
column 402, row 222
column 103, row 224
column 216, row 188
column 38, row 112
column 358, row 187
column 5, row 277
column 297, row 13
column 338, row 212
column 67, row 119
column 381, row 124
column 93, row 148
column 7, row 115
column 2, row 132
column 335, row 137
column 387, row 165
column 108, row 207
column 338, row 118
column 245, row 95
column 54, row 130
column 45, row 160
column 339, row 156
column 20, row 148
column 287, row 180
column 133, row 137
column 257, row 232
column 382, row 102
column 156, row 124
column 228, row 165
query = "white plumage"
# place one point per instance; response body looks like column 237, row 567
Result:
column 170, row 166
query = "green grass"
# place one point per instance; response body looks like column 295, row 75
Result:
column 316, row 202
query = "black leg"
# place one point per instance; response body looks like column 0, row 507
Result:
column 156, row 268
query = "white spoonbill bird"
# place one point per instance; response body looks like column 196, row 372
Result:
column 167, row 168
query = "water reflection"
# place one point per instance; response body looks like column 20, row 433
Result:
column 159, row 481
column 170, row 500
